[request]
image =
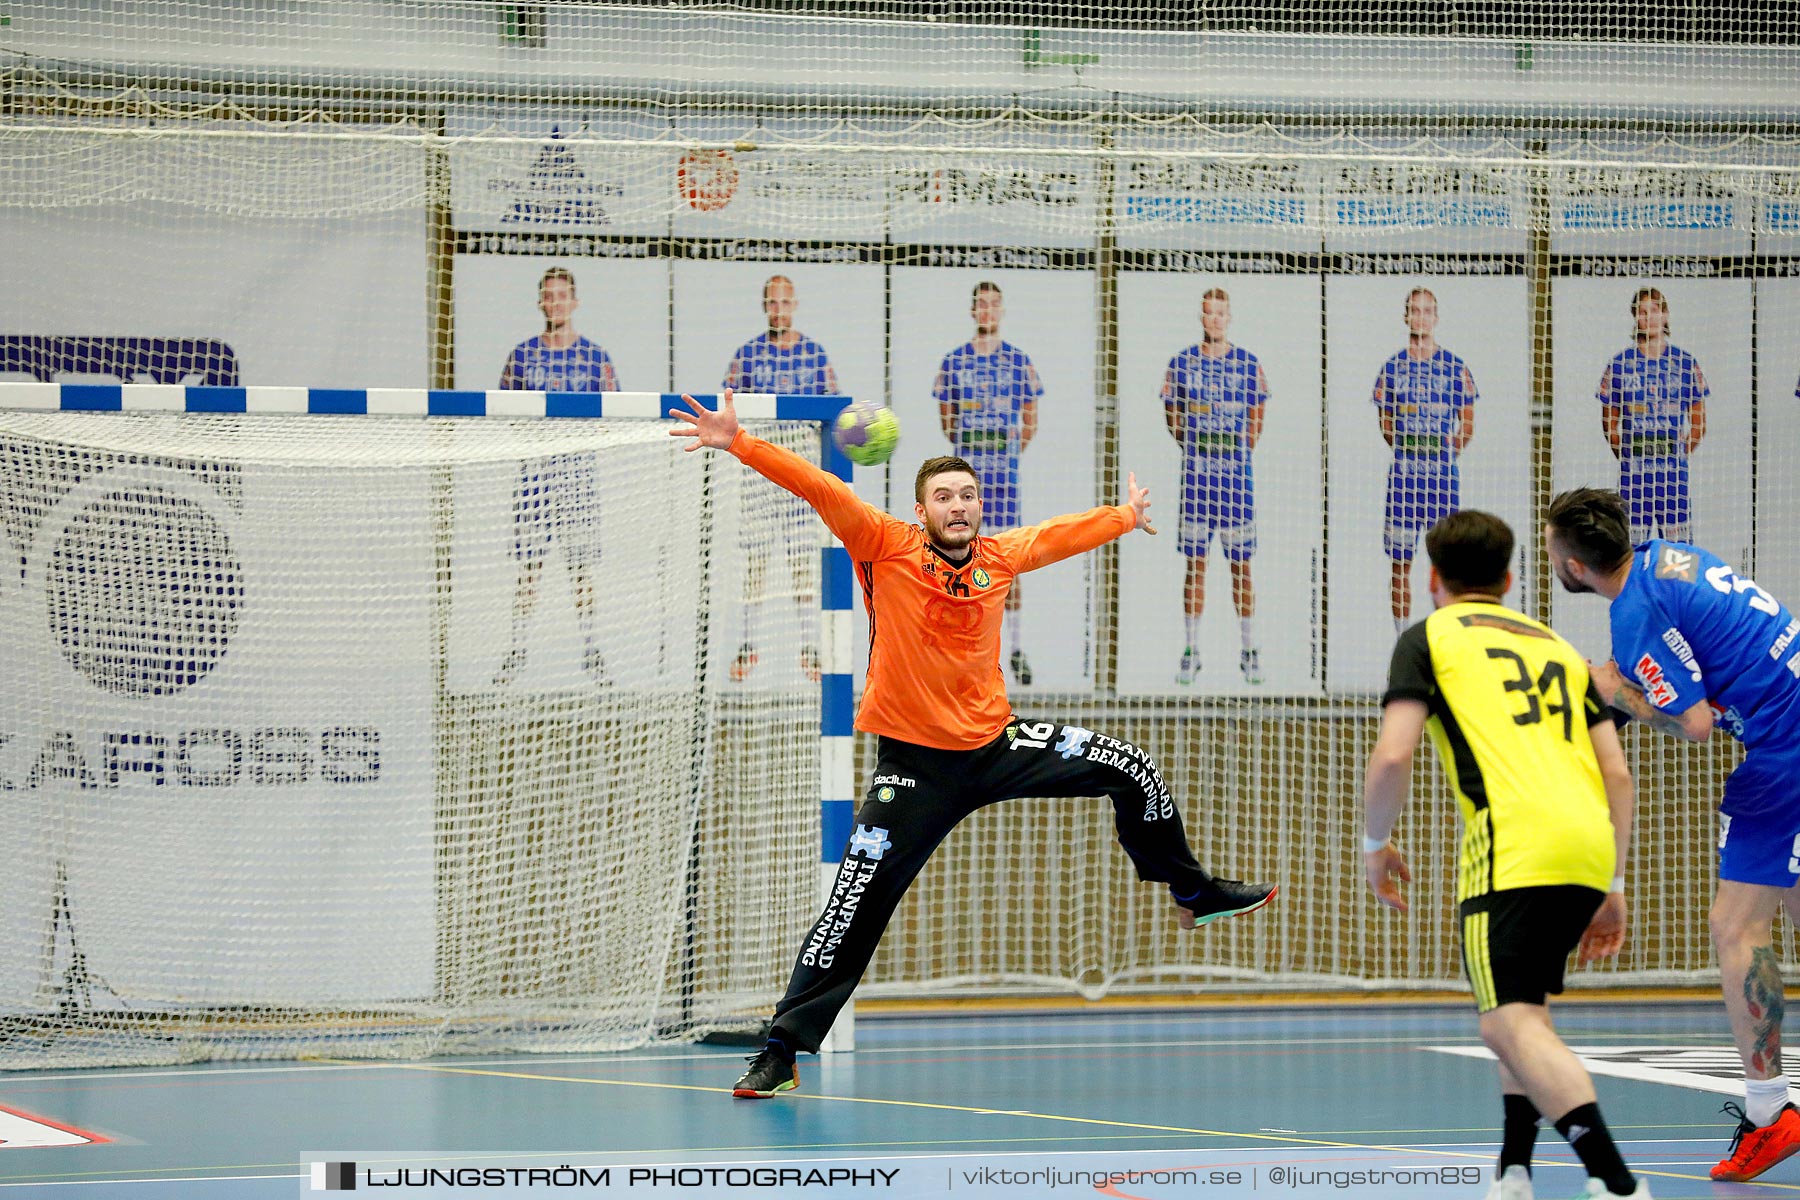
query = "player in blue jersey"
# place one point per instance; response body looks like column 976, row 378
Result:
column 1213, row 398
column 1653, row 408
column 554, row 502
column 1425, row 398
column 558, row 359
column 987, row 393
column 1698, row 647
column 782, row 361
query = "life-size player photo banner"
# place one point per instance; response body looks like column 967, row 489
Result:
column 1428, row 395
column 1220, row 417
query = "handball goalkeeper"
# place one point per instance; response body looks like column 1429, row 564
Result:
column 935, row 698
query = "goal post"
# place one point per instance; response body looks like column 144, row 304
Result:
column 387, row 722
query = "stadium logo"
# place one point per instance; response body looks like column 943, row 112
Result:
column 142, row 588
column 706, row 179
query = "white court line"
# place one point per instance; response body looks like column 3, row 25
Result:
column 1599, row 1065
column 1424, row 1041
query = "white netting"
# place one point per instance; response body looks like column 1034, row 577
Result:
column 387, row 736
column 362, row 194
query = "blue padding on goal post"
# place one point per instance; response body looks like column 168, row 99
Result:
column 572, row 404
column 837, row 579
column 837, row 708
column 836, row 819
column 810, row 408
column 338, row 401
column 92, row 397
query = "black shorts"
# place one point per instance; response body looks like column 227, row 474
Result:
column 1515, row 943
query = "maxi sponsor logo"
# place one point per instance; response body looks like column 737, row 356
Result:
column 1657, row 689
column 193, row 758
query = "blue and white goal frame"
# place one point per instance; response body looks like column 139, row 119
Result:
column 837, row 703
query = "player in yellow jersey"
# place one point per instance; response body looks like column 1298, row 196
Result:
column 1546, row 801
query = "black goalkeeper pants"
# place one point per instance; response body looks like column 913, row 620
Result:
column 918, row 796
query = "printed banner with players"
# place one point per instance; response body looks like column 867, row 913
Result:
column 1307, row 364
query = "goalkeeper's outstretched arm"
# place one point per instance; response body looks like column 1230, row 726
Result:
column 862, row 527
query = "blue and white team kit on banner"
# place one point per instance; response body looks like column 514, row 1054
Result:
column 1654, row 397
column 1212, row 398
column 582, row 367
column 989, row 393
column 1424, row 399
column 760, row 365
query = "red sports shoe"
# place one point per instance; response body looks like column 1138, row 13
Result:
column 1754, row 1149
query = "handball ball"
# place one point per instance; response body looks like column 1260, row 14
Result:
column 866, row 433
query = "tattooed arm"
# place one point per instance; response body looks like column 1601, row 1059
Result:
column 1693, row 725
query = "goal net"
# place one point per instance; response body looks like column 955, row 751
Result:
column 418, row 195
column 387, row 736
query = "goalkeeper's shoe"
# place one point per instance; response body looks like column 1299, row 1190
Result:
column 770, row 1072
column 1221, row 898
column 1756, row 1148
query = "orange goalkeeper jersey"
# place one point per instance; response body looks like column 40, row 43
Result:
column 934, row 626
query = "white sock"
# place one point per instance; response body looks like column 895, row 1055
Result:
column 1400, row 624
column 1763, row 1099
column 1247, row 632
column 1193, row 631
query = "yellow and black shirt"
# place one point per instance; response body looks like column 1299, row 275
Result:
column 1510, row 706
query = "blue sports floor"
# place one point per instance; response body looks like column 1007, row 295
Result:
column 1372, row 1100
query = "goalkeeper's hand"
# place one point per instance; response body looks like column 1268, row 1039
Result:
column 707, row 428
